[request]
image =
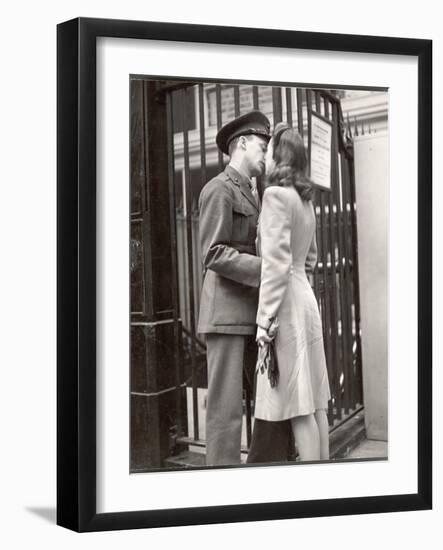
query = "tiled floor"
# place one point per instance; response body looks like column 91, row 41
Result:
column 370, row 448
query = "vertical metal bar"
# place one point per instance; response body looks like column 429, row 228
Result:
column 174, row 282
column 308, row 112
column 321, row 285
column 255, row 105
column 188, row 198
column 195, row 266
column 255, row 102
column 317, row 195
column 332, row 369
column 308, row 93
column 203, row 176
column 329, row 351
column 348, row 276
column 308, row 119
column 355, row 275
column 201, row 114
column 326, row 310
column 289, row 105
column 219, row 121
column 184, row 256
column 316, row 191
column 319, row 289
column 332, row 295
column 300, row 111
column 236, row 101
column 317, row 101
column 277, row 105
column 347, row 272
column 340, row 247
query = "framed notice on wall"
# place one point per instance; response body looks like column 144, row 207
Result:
column 320, row 148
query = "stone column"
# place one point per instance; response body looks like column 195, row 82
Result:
column 155, row 330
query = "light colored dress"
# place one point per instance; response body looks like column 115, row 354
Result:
column 286, row 243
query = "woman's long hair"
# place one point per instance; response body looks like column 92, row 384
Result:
column 289, row 155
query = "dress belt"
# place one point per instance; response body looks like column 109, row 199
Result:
column 296, row 269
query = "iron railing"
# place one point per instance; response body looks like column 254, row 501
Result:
column 198, row 110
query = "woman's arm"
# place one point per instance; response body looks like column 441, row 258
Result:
column 275, row 240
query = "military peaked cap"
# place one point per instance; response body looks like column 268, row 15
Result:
column 253, row 122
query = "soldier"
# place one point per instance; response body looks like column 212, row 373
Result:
column 228, row 226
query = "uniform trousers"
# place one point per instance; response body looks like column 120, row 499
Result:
column 224, row 412
column 231, row 362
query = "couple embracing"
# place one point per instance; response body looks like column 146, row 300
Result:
column 256, row 290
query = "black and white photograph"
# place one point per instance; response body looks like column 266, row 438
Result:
column 258, row 274
column 244, row 220
column 220, row 280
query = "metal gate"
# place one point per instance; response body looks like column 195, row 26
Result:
column 195, row 112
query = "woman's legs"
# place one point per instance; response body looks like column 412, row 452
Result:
column 311, row 433
column 307, row 437
column 323, row 430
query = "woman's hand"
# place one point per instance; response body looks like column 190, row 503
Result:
column 262, row 336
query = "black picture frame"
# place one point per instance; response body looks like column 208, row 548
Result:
column 76, row 274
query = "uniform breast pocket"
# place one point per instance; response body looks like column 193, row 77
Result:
column 244, row 223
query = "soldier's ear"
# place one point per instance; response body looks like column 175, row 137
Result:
column 242, row 142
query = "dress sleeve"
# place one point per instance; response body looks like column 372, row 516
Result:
column 275, row 241
column 311, row 258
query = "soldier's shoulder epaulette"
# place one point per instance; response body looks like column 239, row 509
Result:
column 218, row 182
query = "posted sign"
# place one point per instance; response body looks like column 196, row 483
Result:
column 320, row 151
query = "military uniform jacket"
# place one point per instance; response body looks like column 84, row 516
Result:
column 228, row 229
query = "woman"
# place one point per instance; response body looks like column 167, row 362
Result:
column 287, row 246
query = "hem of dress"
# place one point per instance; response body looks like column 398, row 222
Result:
column 240, row 330
column 286, row 417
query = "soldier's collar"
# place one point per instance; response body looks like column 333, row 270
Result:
column 237, row 176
